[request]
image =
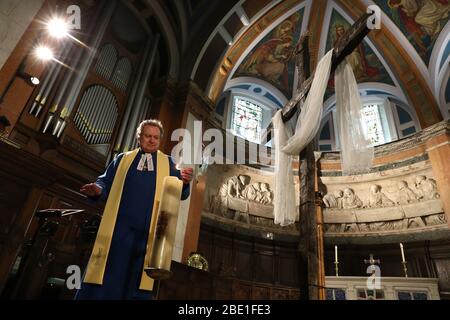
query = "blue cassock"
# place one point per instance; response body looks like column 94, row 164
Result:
column 127, row 252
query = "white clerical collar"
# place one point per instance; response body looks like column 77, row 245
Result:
column 146, row 162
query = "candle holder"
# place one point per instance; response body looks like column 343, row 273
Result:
column 405, row 269
column 336, row 268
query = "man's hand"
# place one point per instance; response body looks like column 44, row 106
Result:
column 91, row 190
column 187, row 175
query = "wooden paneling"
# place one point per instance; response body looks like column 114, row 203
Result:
column 31, row 183
column 249, row 259
column 192, row 284
column 12, row 196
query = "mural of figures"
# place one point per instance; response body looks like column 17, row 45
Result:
column 365, row 63
column 272, row 58
column 420, row 20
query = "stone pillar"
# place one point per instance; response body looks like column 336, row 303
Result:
column 438, row 149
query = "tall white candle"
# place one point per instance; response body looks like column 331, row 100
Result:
column 403, row 253
column 335, row 254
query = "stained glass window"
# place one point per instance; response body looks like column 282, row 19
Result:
column 372, row 124
column 246, row 119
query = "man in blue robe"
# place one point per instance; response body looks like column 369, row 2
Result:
column 115, row 269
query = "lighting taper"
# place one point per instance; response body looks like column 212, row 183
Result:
column 166, row 225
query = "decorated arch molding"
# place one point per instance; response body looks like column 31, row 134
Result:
column 414, row 85
column 236, row 52
column 408, row 75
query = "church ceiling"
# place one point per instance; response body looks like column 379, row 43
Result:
column 271, row 59
column 408, row 57
column 365, row 63
column 421, row 22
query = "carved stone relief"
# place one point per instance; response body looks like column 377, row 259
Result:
column 237, row 197
column 407, row 220
column 348, row 199
column 351, row 200
column 405, row 194
column 390, row 206
column 404, row 208
column 426, row 188
column 333, row 200
column 378, row 198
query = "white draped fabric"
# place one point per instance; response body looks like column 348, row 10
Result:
column 308, row 124
column 284, row 197
column 356, row 152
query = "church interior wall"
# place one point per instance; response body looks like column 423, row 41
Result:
column 252, row 256
column 15, row 16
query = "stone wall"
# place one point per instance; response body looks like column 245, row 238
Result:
column 251, row 206
column 399, row 198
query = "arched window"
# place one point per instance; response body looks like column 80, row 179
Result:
column 247, row 108
column 375, row 124
column 246, row 119
column 405, row 123
column 383, row 120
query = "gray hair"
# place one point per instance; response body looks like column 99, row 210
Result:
column 150, row 122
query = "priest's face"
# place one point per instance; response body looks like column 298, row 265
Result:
column 150, row 139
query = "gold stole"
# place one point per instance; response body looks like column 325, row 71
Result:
column 97, row 262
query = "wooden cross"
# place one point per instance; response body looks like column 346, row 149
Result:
column 311, row 253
